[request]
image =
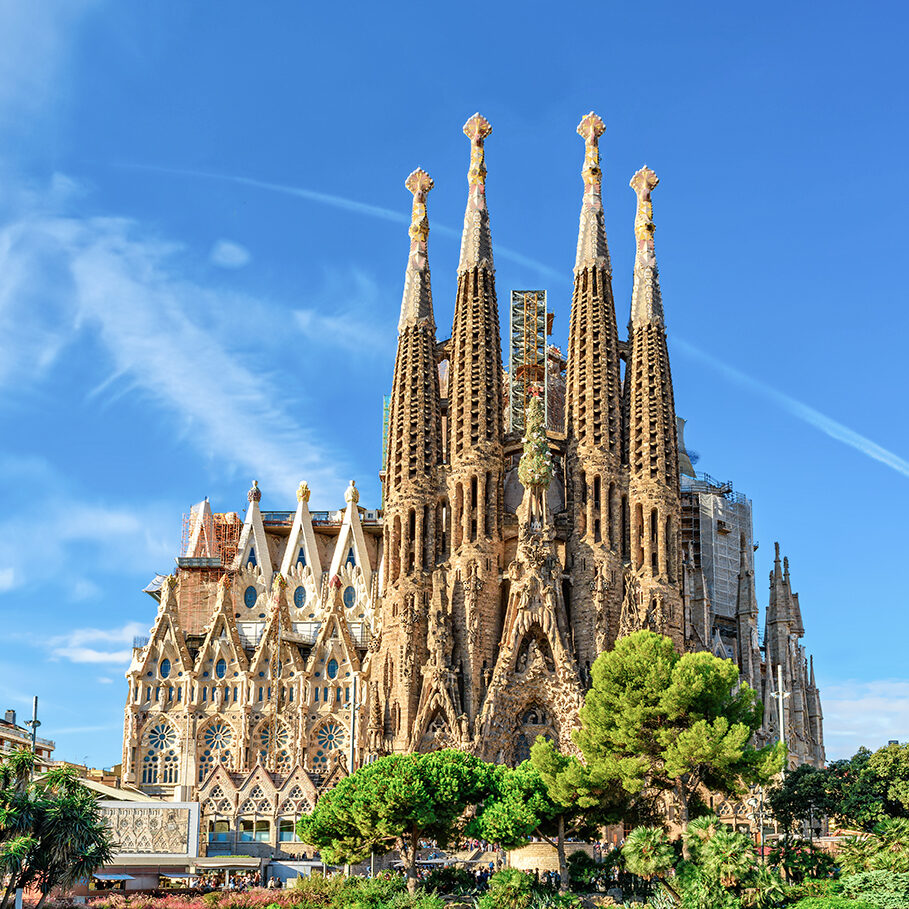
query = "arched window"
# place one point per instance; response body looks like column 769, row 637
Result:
column 220, row 668
column 351, row 558
column 159, row 761
column 350, row 597
column 250, row 595
column 300, row 597
column 165, row 668
column 251, row 558
column 332, row 669
column 216, row 741
column 301, row 557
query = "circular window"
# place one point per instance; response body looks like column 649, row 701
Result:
column 162, row 736
column 250, row 596
column 218, row 735
column 165, row 668
column 350, row 597
column 332, row 669
column 300, row 597
column 330, row 736
column 220, row 669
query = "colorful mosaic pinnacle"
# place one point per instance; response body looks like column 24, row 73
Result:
column 643, row 183
column 477, row 129
column 419, row 183
column 590, row 129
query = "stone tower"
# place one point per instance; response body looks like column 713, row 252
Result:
column 414, row 528
column 475, row 419
column 597, row 490
column 652, row 584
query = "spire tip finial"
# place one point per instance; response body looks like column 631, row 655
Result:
column 419, row 183
column 477, row 129
column 590, row 129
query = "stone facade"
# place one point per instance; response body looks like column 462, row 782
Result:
column 467, row 614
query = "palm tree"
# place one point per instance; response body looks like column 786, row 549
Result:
column 893, row 845
column 647, row 854
column 728, row 858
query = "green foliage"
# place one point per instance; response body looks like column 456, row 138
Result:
column 395, row 802
column 583, row 871
column 881, row 889
column 765, row 889
column 656, row 721
column 871, row 787
column 51, row 830
column 728, row 858
column 801, row 860
column 831, row 902
column 886, row 848
column 508, row 889
column 802, row 795
column 647, row 853
column 450, row 880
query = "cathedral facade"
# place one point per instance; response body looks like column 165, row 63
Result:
column 292, row 646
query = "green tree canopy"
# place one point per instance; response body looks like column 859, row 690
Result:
column 870, row 786
column 395, row 802
column 656, row 721
column 52, row 833
column 550, row 796
column 802, row 796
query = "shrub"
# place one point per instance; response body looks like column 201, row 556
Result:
column 508, row 889
column 583, row 871
column 450, row 880
column 881, row 889
column 830, row 902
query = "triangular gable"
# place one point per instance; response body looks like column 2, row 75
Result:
column 352, row 538
column 277, row 625
column 299, row 776
column 334, row 629
column 218, row 777
column 253, row 545
column 221, row 635
column 167, row 635
column 202, row 543
column 301, row 544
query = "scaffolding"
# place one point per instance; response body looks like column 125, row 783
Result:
column 530, row 324
column 210, row 536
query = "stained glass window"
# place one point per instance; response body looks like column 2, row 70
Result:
column 350, row 597
column 250, row 595
column 300, row 597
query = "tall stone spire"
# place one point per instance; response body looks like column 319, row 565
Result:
column 646, row 300
column 597, row 484
column 416, row 304
column 476, row 436
column 654, row 493
column 413, row 526
column 476, row 241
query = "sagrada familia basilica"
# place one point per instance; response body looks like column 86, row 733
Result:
column 291, row 646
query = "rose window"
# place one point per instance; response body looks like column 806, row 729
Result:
column 162, row 736
column 330, row 736
column 218, row 735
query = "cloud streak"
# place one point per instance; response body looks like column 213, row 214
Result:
column 74, row 645
column 865, row 714
column 814, row 418
column 173, row 339
column 351, row 205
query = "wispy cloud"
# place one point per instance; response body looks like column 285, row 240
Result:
column 170, row 338
column 351, row 205
column 798, row 409
column 74, row 645
column 227, row 254
column 865, row 714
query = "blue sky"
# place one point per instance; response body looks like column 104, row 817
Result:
column 202, row 245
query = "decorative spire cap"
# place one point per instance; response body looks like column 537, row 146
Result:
column 303, row 492
column 254, row 494
column 646, row 299
column 476, row 241
column 477, row 129
column 416, row 304
column 592, row 249
column 351, row 494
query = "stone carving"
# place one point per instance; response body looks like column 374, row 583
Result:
column 149, row 831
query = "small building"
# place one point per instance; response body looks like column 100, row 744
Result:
column 13, row 737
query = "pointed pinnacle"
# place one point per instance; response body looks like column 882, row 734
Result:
column 643, row 183
column 477, row 129
column 590, row 129
column 419, row 183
